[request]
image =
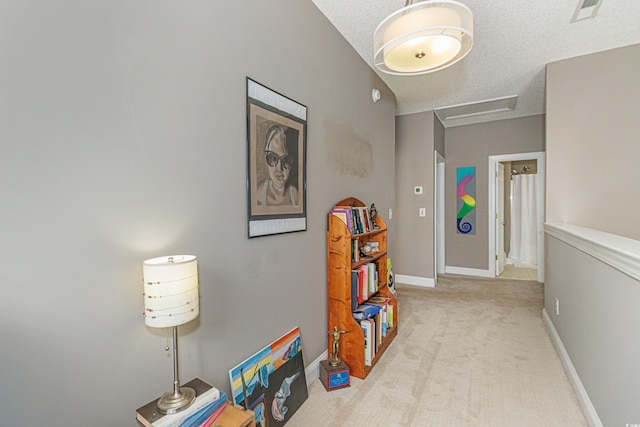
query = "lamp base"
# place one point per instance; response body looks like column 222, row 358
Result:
column 171, row 403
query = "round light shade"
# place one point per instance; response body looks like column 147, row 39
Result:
column 423, row 37
column 170, row 290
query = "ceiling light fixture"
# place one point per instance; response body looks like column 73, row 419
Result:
column 423, row 37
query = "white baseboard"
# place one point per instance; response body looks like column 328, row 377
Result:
column 467, row 271
column 583, row 397
column 312, row 372
column 415, row 280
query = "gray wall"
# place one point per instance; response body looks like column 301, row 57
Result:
column 592, row 151
column 471, row 145
column 592, row 135
column 124, row 138
column 414, row 167
column 598, row 325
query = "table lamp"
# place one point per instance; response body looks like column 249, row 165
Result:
column 170, row 300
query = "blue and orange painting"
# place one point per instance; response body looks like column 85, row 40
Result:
column 272, row 382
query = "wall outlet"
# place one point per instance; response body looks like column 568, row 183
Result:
column 557, row 307
column 422, row 212
column 390, row 213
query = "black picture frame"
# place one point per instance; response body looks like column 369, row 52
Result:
column 277, row 192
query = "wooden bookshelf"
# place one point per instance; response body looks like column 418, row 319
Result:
column 339, row 267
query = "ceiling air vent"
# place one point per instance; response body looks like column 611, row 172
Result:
column 472, row 109
column 586, row 9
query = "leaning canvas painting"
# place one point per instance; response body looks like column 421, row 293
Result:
column 272, row 382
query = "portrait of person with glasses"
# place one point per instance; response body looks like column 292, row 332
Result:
column 276, row 190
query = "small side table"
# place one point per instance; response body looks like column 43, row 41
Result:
column 235, row 416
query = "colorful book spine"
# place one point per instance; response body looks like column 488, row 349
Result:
column 203, row 414
column 209, row 421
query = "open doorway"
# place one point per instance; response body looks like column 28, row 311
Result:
column 516, row 212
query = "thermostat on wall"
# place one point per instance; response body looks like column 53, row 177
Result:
column 417, row 190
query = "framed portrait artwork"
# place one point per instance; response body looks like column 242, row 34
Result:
column 276, row 164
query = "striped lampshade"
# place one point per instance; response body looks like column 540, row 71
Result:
column 170, row 290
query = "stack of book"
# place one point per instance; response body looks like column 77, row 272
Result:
column 364, row 283
column 386, row 312
column 375, row 318
column 357, row 218
column 203, row 411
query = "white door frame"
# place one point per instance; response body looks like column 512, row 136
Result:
column 499, row 222
column 493, row 160
column 438, row 215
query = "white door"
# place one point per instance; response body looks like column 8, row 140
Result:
column 500, row 255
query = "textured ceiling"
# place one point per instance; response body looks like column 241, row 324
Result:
column 513, row 41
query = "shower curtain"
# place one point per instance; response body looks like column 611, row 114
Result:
column 524, row 221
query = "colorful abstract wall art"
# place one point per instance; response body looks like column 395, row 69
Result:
column 272, row 382
column 466, row 201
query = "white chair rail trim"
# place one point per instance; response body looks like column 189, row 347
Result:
column 619, row 252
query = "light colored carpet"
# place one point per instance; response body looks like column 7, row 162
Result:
column 511, row 272
column 471, row 352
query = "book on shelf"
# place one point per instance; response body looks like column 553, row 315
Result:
column 365, row 311
column 379, row 314
column 383, row 321
column 363, row 212
column 345, row 216
column 385, row 307
column 355, row 289
column 385, row 303
column 355, row 251
column 376, row 333
column 359, row 227
column 372, row 273
column 378, row 320
column 364, row 226
column 149, row 415
column 366, row 326
column 360, row 218
column 364, row 282
column 379, row 300
column 357, row 218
